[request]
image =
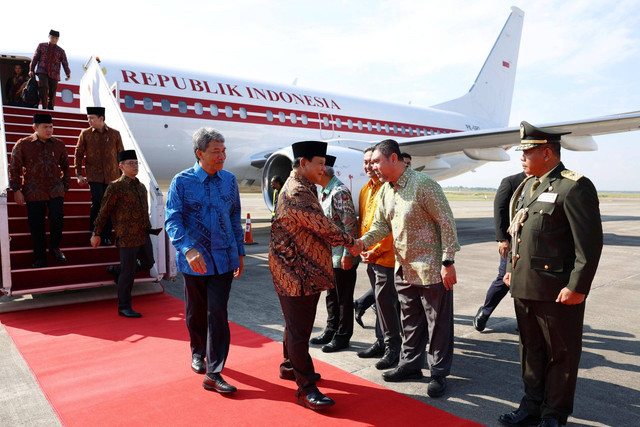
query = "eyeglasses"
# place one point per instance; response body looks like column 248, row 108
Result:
column 132, row 163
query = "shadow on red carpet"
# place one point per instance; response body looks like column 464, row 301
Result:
column 99, row 369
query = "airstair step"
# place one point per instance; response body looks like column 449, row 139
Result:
column 71, row 223
column 60, row 275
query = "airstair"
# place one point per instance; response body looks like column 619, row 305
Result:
column 85, row 266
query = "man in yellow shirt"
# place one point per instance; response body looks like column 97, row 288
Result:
column 380, row 260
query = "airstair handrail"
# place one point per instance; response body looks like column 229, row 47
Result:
column 5, row 257
column 95, row 91
column 4, row 164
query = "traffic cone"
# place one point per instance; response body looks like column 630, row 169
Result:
column 248, row 232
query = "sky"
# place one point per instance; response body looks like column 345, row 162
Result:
column 578, row 58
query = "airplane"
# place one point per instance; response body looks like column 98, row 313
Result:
column 163, row 107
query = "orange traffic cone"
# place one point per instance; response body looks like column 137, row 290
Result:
column 248, row 232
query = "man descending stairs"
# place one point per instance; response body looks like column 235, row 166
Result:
column 76, row 264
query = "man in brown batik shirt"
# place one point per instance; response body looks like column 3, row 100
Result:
column 98, row 145
column 301, row 267
column 126, row 202
column 44, row 163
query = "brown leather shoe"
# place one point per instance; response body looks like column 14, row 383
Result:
column 215, row 382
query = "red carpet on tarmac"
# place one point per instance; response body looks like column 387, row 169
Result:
column 99, row 369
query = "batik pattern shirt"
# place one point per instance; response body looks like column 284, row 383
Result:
column 416, row 210
column 125, row 201
column 337, row 205
column 45, row 165
column 383, row 250
column 301, row 240
column 100, row 153
column 203, row 213
column 47, row 60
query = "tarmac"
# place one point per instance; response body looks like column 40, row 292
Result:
column 485, row 380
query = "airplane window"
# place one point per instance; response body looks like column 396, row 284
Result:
column 269, row 115
column 228, row 111
column 402, row 129
column 305, row 119
column 67, row 96
column 325, row 121
column 281, row 117
column 182, row 106
column 166, row 105
column 378, row 127
column 386, row 127
column 129, row 102
column 243, row 113
column 214, row 109
column 438, row 132
column 293, row 118
column 369, row 126
column 395, row 129
column 410, row 130
column 147, row 102
column 360, row 124
column 198, row 108
column 350, row 124
column 338, row 123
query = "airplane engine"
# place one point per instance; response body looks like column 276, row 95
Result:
column 348, row 169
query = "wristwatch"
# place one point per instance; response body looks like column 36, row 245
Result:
column 447, row 262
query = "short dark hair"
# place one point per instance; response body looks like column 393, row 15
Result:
column 388, row 147
column 369, row 148
column 277, row 179
column 554, row 147
column 405, row 155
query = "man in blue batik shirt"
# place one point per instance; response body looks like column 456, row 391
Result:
column 203, row 222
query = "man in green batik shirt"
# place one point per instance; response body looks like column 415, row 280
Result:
column 413, row 207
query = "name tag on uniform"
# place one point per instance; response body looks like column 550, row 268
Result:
column 548, row 197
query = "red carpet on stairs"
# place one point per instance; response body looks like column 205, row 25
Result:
column 99, row 369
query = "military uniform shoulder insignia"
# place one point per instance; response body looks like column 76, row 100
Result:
column 573, row 176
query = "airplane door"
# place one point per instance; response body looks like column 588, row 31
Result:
column 326, row 125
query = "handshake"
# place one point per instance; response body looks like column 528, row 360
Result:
column 357, row 247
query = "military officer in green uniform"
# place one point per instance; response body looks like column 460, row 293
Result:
column 557, row 240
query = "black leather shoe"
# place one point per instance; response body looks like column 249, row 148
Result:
column 480, row 321
column 128, row 312
column 550, row 422
column 359, row 311
column 106, row 242
column 197, row 365
column 215, row 382
column 437, row 386
column 376, row 350
column 401, row 373
column 40, row 263
column 323, row 338
column 390, row 358
column 315, row 400
column 58, row 255
column 287, row 374
column 334, row 346
column 518, row 418
column 114, row 271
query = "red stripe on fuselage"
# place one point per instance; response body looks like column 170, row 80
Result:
column 257, row 114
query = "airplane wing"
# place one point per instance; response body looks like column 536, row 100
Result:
column 490, row 144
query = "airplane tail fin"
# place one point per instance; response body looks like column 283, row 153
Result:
column 490, row 96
